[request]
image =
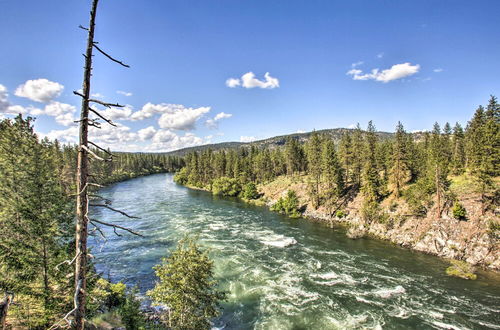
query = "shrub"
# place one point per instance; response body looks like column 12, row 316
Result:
column 340, row 214
column 187, row 286
column 288, row 205
column 419, row 196
column 459, row 211
column 250, row 191
column 181, row 177
column 225, row 186
column 461, row 269
column 371, row 211
column 130, row 312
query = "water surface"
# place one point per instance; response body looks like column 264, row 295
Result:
column 289, row 273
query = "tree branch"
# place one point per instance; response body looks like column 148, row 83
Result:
column 115, row 210
column 102, row 117
column 108, row 56
column 106, row 104
column 100, row 148
column 94, row 155
column 115, row 227
column 83, row 27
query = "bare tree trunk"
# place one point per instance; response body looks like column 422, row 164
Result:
column 438, row 191
column 82, row 184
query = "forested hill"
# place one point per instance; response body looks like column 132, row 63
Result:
column 273, row 142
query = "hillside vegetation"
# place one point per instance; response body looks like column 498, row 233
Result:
column 437, row 192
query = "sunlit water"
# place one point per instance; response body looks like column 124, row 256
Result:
column 290, row 273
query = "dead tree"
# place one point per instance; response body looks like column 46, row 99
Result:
column 83, row 176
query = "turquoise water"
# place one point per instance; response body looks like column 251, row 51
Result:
column 289, row 273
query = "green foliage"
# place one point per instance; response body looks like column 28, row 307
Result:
column 372, row 212
column 130, row 312
column 225, row 186
column 250, row 191
column 340, row 214
column 461, row 269
column 105, row 296
column 458, row 211
column 288, row 205
column 181, row 177
column 186, row 286
column 419, row 196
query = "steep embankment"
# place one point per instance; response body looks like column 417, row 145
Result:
column 474, row 240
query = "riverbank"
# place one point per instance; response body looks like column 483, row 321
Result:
column 474, row 240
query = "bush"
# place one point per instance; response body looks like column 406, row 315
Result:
column 371, row 212
column 459, row 211
column 250, row 191
column 288, row 205
column 340, row 214
column 181, row 177
column 225, row 186
column 419, row 196
column 130, row 311
column 461, row 269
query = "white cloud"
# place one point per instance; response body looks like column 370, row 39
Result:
column 6, row 107
column 397, row 71
column 248, row 80
column 117, row 113
column 124, row 93
column 247, row 138
column 357, row 64
column 300, row 131
column 146, row 133
column 233, row 82
column 40, row 90
column 213, row 123
column 438, row 70
column 166, row 140
column 380, row 55
column 63, row 113
column 182, row 119
column 352, row 126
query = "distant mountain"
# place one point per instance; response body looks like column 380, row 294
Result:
column 273, row 142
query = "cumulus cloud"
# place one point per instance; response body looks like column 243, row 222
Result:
column 233, row 82
column 380, row 55
column 247, row 138
column 124, row 93
column 248, row 80
column 146, row 133
column 63, row 113
column 39, row 90
column 438, row 70
column 166, row 140
column 6, row 107
column 173, row 116
column 397, row 71
column 117, row 113
column 214, row 123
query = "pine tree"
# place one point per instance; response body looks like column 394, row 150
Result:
column 346, row 154
column 458, row 150
column 357, row 155
column 371, row 179
column 332, row 173
column 314, row 168
column 439, row 165
column 186, row 285
column 400, row 173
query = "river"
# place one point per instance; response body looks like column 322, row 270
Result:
column 287, row 273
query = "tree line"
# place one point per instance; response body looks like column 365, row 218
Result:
column 413, row 166
column 37, row 234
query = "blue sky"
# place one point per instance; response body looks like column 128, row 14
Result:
column 433, row 61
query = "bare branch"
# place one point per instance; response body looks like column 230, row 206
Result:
column 108, row 56
column 99, row 230
column 106, row 201
column 100, row 148
column 115, row 210
column 69, row 262
column 83, row 27
column 102, row 117
column 116, row 227
column 94, row 155
column 106, row 104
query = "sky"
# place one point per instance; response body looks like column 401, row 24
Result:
column 208, row 71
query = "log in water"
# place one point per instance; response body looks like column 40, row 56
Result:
column 290, row 273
